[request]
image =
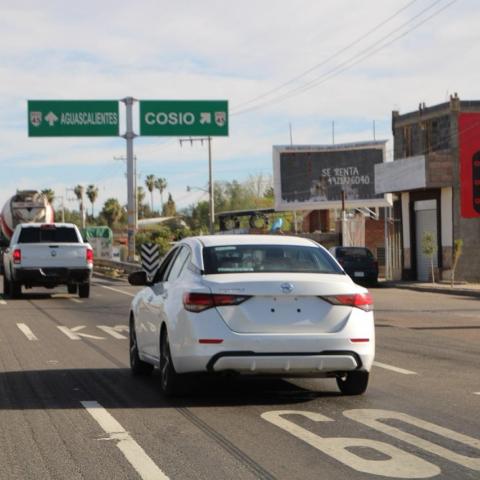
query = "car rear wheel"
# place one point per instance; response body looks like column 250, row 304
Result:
column 72, row 288
column 171, row 382
column 84, row 290
column 353, row 383
column 137, row 367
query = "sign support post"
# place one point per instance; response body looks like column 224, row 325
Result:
column 131, row 180
column 210, row 189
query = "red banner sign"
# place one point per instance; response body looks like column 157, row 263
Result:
column 469, row 149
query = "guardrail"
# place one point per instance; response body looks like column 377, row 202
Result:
column 125, row 267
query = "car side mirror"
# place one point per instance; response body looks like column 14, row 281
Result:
column 138, row 278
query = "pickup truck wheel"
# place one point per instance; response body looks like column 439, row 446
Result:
column 15, row 289
column 72, row 288
column 84, row 290
column 6, row 286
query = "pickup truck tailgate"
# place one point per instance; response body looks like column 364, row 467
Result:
column 54, row 255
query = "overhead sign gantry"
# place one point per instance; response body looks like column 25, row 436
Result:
column 100, row 118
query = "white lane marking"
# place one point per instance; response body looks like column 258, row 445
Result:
column 476, row 393
column 394, row 369
column 76, row 300
column 114, row 331
column 117, row 290
column 73, row 333
column 133, row 452
column 2, row 301
column 398, row 464
column 373, row 418
column 27, row 332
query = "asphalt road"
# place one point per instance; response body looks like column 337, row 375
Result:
column 69, row 408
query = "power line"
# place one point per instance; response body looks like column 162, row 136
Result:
column 328, row 59
column 365, row 53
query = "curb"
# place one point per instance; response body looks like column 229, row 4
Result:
column 421, row 288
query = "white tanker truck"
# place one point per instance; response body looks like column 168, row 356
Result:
column 26, row 206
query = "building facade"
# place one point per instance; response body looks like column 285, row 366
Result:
column 435, row 175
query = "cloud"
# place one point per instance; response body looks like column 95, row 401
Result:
column 210, row 49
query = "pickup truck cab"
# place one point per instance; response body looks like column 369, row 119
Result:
column 47, row 255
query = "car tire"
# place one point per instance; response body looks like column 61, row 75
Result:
column 72, row 288
column 171, row 382
column 353, row 383
column 6, row 286
column 84, row 290
column 138, row 367
column 15, row 289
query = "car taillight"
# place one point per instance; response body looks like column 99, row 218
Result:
column 198, row 302
column 363, row 301
column 17, row 256
column 89, row 255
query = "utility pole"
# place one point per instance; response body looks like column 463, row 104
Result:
column 211, row 201
column 131, row 179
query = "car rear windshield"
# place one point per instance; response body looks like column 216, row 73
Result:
column 48, row 235
column 354, row 252
column 267, row 258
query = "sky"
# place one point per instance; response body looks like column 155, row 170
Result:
column 284, row 66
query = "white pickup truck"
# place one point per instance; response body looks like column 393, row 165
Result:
column 47, row 255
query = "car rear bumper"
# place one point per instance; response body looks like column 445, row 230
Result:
column 285, row 364
column 51, row 276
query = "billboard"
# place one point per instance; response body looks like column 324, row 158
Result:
column 469, row 146
column 312, row 177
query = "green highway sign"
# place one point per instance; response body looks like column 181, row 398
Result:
column 73, row 118
column 184, row 118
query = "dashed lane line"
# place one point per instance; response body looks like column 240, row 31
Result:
column 117, row 290
column 394, row 369
column 27, row 332
column 133, row 452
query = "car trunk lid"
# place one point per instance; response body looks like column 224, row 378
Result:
column 282, row 303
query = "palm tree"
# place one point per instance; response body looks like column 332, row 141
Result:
column 92, row 194
column 79, row 190
column 161, row 185
column 112, row 211
column 49, row 194
column 150, row 184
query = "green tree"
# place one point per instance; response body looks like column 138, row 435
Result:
column 140, row 198
column 92, row 194
column 49, row 194
column 150, row 184
column 429, row 248
column 161, row 185
column 457, row 253
column 169, row 209
column 112, row 211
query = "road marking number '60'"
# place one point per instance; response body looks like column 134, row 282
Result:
column 399, row 464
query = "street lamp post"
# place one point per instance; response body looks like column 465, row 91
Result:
column 211, row 201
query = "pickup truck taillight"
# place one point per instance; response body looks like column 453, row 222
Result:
column 89, row 255
column 17, row 256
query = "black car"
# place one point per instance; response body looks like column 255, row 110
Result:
column 358, row 262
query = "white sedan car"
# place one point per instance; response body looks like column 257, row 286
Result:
column 251, row 304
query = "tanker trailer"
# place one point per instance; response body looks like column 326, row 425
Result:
column 26, row 206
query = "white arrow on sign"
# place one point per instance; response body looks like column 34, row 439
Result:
column 51, row 118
